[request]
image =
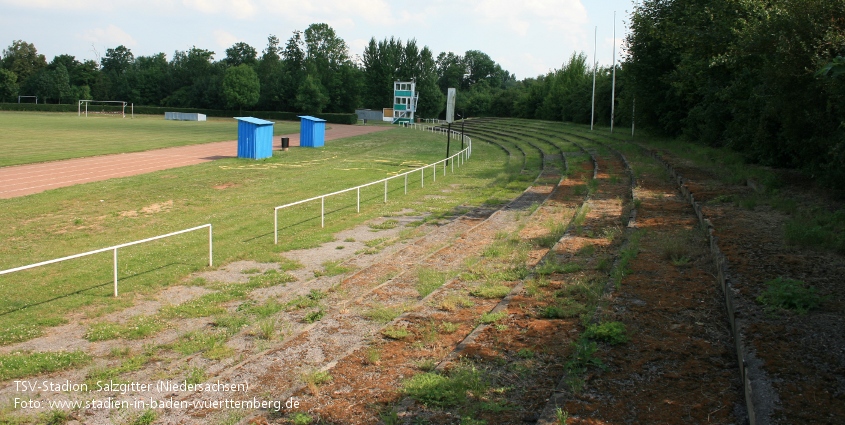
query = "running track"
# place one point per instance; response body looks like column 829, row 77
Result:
column 20, row 180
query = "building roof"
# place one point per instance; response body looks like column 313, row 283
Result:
column 310, row 118
column 253, row 120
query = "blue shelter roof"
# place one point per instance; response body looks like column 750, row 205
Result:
column 310, row 118
column 253, row 120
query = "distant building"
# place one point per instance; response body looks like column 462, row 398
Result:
column 405, row 99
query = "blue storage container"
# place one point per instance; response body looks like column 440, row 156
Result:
column 255, row 138
column 312, row 132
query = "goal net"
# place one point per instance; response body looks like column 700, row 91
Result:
column 106, row 107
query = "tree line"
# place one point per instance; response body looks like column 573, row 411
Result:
column 312, row 72
column 763, row 77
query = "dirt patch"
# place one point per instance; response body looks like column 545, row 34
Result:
column 150, row 209
column 225, row 186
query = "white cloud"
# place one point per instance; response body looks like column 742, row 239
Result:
column 538, row 16
column 109, row 36
column 239, row 9
column 224, row 39
column 59, row 4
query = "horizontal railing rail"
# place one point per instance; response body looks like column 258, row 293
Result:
column 115, row 248
column 459, row 158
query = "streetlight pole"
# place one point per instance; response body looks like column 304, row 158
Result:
column 613, row 89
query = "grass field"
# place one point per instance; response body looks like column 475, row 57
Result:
column 237, row 196
column 29, row 137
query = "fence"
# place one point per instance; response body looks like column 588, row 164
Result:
column 115, row 248
column 460, row 157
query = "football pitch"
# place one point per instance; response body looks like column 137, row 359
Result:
column 29, row 137
column 236, row 196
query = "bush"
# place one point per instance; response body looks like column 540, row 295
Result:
column 612, row 333
column 790, row 294
column 437, row 390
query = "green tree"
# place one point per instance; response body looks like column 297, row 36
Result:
column 23, row 59
column 118, row 66
column 8, row 85
column 270, row 72
column 293, row 68
column 311, row 97
column 196, row 80
column 241, row 54
column 241, row 87
column 327, row 59
column 61, row 83
column 432, row 101
column 450, row 71
column 153, row 80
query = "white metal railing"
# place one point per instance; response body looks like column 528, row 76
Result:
column 115, row 248
column 460, row 158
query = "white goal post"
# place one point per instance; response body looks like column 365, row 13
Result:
column 119, row 103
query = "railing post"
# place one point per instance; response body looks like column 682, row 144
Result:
column 323, row 211
column 211, row 247
column 115, row 272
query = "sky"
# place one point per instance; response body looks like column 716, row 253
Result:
column 526, row 37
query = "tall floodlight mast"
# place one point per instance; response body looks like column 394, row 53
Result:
column 613, row 86
column 595, row 67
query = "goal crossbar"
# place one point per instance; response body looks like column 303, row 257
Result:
column 122, row 103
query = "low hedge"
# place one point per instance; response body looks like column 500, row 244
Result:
column 157, row 110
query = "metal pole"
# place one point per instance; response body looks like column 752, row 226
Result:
column 595, row 67
column 210, row 247
column 463, row 119
column 276, row 226
column 422, row 177
column 434, row 172
column 115, row 272
column 448, row 141
column 613, row 89
column 323, row 211
column 358, row 204
column 633, row 110
column 406, row 184
column 385, row 191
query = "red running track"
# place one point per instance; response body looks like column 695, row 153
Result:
column 20, row 180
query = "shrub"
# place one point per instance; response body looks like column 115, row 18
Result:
column 395, row 333
column 790, row 294
column 490, row 291
column 612, row 333
column 441, row 391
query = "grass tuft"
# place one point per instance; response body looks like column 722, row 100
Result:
column 428, row 280
column 19, row 365
column 491, row 291
column 393, row 332
column 612, row 333
column 790, row 294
